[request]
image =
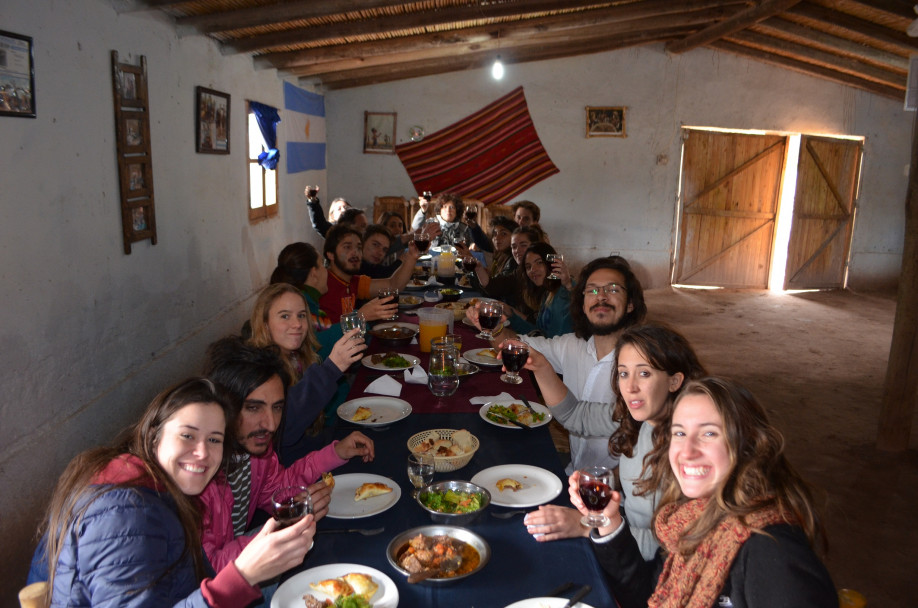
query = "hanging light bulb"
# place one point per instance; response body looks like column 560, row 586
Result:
column 497, row 70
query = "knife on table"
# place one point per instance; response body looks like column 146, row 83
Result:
column 584, row 591
column 512, row 421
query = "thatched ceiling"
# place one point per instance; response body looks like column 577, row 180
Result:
column 350, row 43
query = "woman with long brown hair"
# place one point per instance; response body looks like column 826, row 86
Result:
column 124, row 525
column 736, row 523
column 550, row 298
column 281, row 319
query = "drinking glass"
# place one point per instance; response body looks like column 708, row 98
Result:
column 454, row 340
column 421, row 240
column 443, row 373
column 514, row 354
column 312, row 191
column 420, row 471
column 596, row 492
column 385, row 293
column 469, row 263
column 551, row 258
column 489, row 312
column 291, row 504
column 354, row 320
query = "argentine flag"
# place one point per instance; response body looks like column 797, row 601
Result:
column 304, row 117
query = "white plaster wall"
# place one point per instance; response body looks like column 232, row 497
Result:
column 88, row 334
column 611, row 193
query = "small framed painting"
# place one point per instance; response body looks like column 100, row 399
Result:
column 212, row 110
column 605, row 121
column 379, row 132
column 17, row 76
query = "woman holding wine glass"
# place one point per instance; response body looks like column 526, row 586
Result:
column 448, row 208
column 551, row 299
column 736, row 522
column 281, row 319
column 651, row 364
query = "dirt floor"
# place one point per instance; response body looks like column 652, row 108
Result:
column 818, row 361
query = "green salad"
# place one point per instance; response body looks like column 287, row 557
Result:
column 351, row 601
column 396, row 361
column 452, row 501
column 496, row 412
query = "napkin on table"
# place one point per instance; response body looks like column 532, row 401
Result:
column 384, row 385
column 483, row 400
column 416, row 375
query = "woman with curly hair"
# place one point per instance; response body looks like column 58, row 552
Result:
column 651, row 365
column 736, row 523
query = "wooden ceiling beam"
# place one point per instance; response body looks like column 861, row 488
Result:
column 742, row 20
column 473, row 39
column 394, row 24
column 810, row 69
column 254, row 16
column 806, row 54
column 802, row 34
column 858, row 27
column 433, row 67
column 895, row 8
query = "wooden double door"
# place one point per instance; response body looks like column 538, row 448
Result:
column 731, row 187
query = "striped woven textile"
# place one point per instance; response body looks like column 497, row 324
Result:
column 491, row 156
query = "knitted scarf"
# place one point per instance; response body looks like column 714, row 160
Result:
column 696, row 582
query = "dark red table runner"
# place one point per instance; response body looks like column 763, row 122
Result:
column 486, row 382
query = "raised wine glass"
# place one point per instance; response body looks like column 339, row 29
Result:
column 551, row 258
column 420, row 471
column 489, row 312
column 386, row 293
column 291, row 504
column 595, row 492
column 514, row 354
column 354, row 320
column 469, row 263
column 421, row 240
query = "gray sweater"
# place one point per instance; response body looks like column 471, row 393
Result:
column 594, row 419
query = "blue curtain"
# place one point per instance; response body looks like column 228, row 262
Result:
column 267, row 118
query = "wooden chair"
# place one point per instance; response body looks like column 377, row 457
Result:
column 490, row 211
column 398, row 204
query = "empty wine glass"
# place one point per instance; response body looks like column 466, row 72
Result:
column 514, row 354
column 489, row 312
column 420, row 471
column 354, row 320
column 595, row 492
column 551, row 258
column 291, row 504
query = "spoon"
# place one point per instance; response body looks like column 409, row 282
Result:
column 449, row 564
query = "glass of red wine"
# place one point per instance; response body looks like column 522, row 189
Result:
column 421, row 240
column 489, row 312
column 514, row 354
column 596, row 492
column 291, row 504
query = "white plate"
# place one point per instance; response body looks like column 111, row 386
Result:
column 413, row 326
column 539, row 485
column 542, row 602
column 343, row 505
column 386, row 410
column 380, row 367
column 290, row 594
column 473, row 356
column 483, row 412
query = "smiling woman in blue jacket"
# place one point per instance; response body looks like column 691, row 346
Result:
column 124, row 525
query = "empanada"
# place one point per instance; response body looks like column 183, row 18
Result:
column 369, row 490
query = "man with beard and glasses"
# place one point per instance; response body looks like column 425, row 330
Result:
column 606, row 299
column 343, row 253
column 257, row 380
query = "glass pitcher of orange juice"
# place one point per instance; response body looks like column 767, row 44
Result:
column 433, row 323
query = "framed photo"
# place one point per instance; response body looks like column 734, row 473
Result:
column 379, row 132
column 605, row 121
column 212, row 111
column 17, row 75
column 133, row 131
column 137, row 177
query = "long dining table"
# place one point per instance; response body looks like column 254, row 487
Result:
column 520, row 567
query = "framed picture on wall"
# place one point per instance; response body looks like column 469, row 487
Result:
column 17, row 76
column 212, row 110
column 605, row 121
column 379, row 132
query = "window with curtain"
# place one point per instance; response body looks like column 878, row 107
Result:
column 263, row 193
